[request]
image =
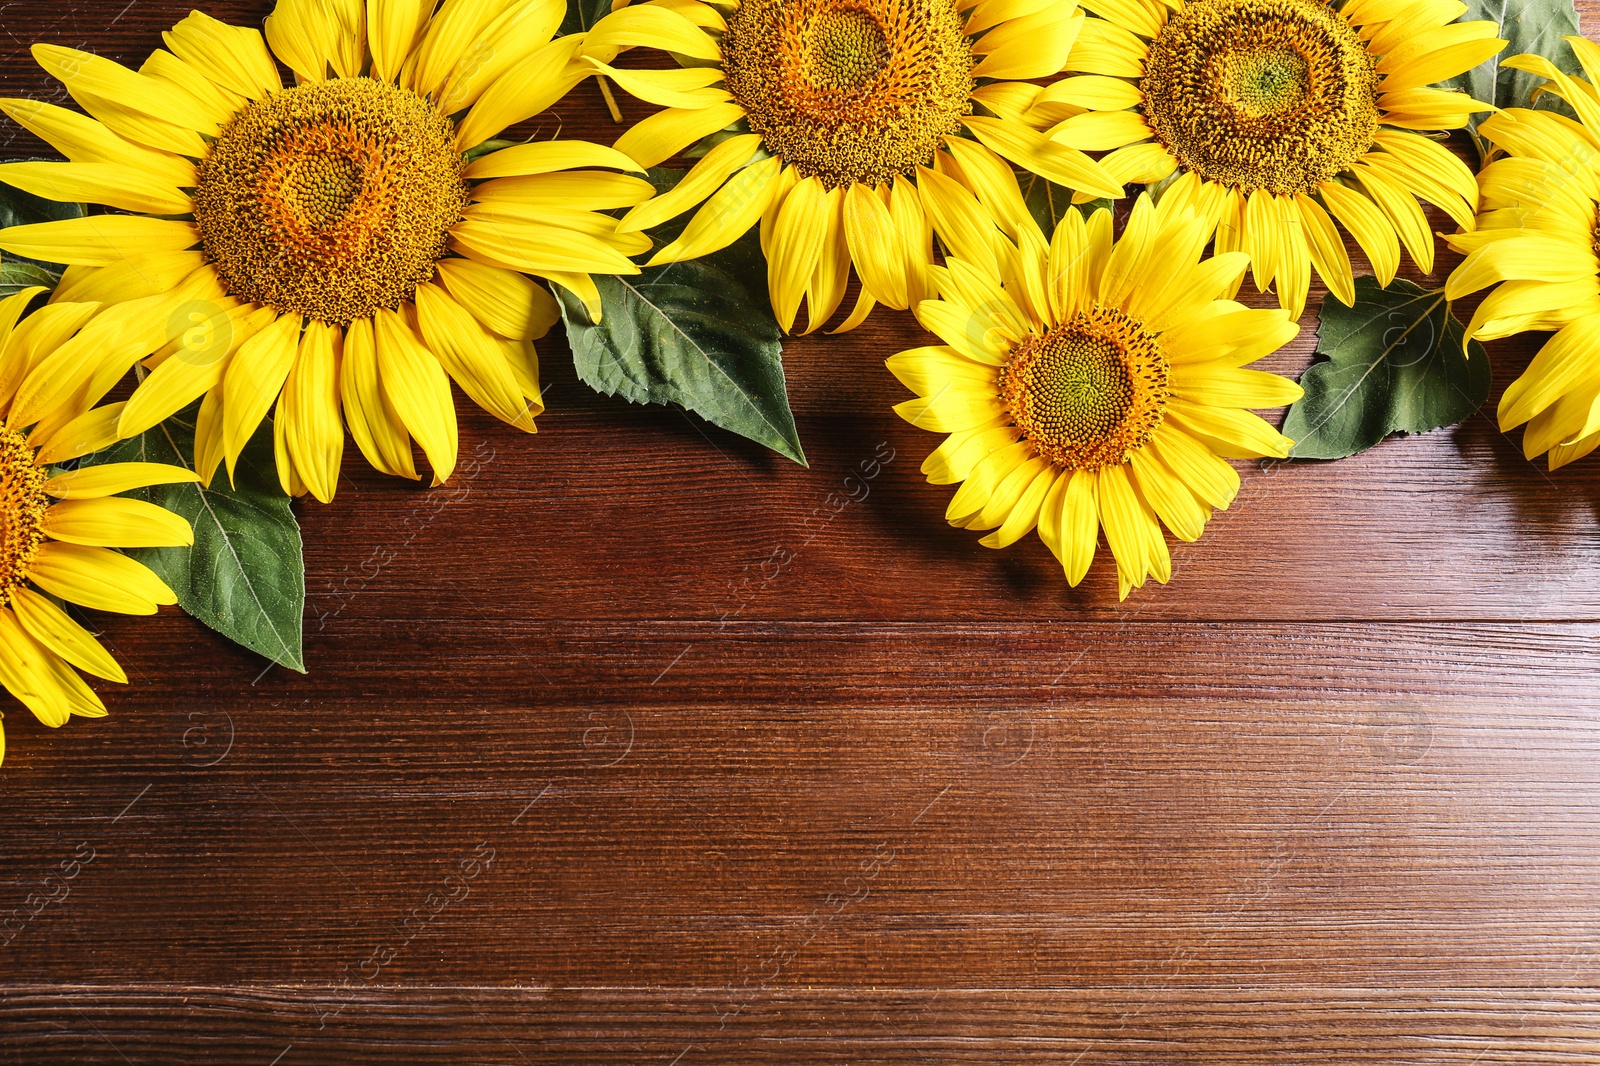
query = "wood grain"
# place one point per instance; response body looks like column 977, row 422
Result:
column 632, row 748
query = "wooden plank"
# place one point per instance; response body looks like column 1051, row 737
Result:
column 768, row 783
column 1155, row 1024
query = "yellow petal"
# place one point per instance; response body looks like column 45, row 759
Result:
column 1093, row 92
column 514, row 306
column 1126, row 532
column 116, row 522
column 1025, row 514
column 1531, row 257
column 1100, row 131
column 1174, row 504
column 1209, row 478
column 470, row 356
column 1228, row 432
column 1403, row 212
column 99, row 578
column 254, row 378
column 875, row 247
column 1436, row 62
column 1227, row 386
column 374, row 425
column 703, row 179
column 825, row 289
column 416, row 385
column 986, row 479
column 728, row 215
column 447, row 38
column 509, row 39
column 148, row 275
column 796, row 247
column 1327, row 251
column 536, row 246
column 98, row 240
column 1370, row 227
column 1080, row 524
column 393, row 27
column 235, row 57
column 24, row 673
column 1034, row 152
column 1566, row 359
column 181, row 380
column 649, row 26
column 52, row 627
column 94, row 80
column 89, row 432
column 653, row 140
column 1034, row 46
column 951, row 410
column 546, row 157
column 94, row 482
column 960, row 220
column 586, row 190
column 99, row 183
column 83, row 140
column 313, row 433
column 523, row 91
column 689, row 87
column 1105, row 48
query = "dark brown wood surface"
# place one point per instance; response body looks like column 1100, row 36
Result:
column 1332, row 796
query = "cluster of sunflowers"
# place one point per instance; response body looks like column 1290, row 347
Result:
column 331, row 196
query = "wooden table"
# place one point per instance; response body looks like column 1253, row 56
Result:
column 581, row 775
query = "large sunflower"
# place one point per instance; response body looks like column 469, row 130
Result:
column 1096, row 385
column 1278, row 114
column 57, row 530
column 826, row 120
column 342, row 242
column 1536, row 236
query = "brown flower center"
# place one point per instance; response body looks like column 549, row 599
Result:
column 330, row 200
column 1088, row 392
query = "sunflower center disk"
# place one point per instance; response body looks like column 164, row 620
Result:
column 1088, row 392
column 850, row 91
column 330, row 200
column 22, row 507
column 1261, row 94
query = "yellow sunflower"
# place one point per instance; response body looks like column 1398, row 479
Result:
column 1097, row 384
column 1280, row 116
column 1536, row 236
column 338, row 242
column 827, row 120
column 57, row 530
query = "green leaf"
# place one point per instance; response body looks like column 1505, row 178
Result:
column 1530, row 27
column 19, row 274
column 699, row 334
column 244, row 576
column 582, row 14
column 1047, row 201
column 1394, row 363
column 18, row 208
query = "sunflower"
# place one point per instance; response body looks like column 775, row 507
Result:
column 57, row 529
column 1096, row 384
column 1281, row 116
column 1537, row 237
column 345, row 242
column 824, row 120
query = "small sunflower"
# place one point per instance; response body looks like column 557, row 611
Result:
column 1537, row 236
column 826, row 120
column 343, row 242
column 1097, row 384
column 57, row 529
column 1276, row 115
